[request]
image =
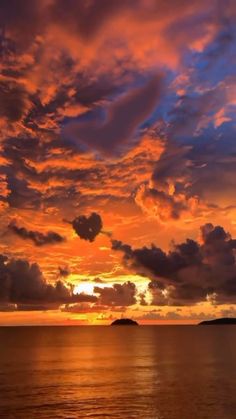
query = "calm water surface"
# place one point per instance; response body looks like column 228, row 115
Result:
column 161, row 372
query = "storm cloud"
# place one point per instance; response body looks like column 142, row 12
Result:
column 189, row 273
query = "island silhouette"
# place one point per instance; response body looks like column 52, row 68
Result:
column 124, row 322
column 222, row 321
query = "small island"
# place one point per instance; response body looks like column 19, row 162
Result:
column 221, row 321
column 124, row 322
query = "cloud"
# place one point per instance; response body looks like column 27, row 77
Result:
column 178, row 314
column 86, row 18
column 86, row 308
column 124, row 116
column 187, row 182
column 146, row 90
column 98, row 280
column 50, row 52
column 38, row 238
column 160, row 204
column 89, row 227
column 21, row 195
column 13, row 101
column 24, row 285
column 192, row 272
column 64, row 271
column 22, row 20
column 117, row 295
column 154, row 315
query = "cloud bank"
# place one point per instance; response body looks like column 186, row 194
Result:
column 23, row 287
column 189, row 273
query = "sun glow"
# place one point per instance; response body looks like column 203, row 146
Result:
column 85, row 288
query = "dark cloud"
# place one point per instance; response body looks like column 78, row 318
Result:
column 117, row 295
column 98, row 281
column 92, row 92
column 86, row 17
column 124, row 117
column 22, row 20
column 23, row 284
column 190, row 110
column 89, row 227
column 64, row 271
column 5, row 307
column 21, row 194
column 192, row 176
column 13, row 100
column 38, row 238
column 156, row 260
column 189, row 273
column 159, row 203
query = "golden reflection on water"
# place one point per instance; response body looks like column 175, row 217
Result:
column 126, row 372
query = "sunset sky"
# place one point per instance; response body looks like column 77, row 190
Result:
column 118, row 161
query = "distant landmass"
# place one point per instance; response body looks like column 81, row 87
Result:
column 224, row 320
column 124, row 322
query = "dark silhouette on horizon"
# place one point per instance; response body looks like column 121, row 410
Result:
column 221, row 321
column 124, row 322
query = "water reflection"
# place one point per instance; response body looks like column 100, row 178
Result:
column 139, row 372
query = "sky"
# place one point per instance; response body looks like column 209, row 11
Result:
column 118, row 161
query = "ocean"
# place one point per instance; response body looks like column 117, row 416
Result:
column 153, row 372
